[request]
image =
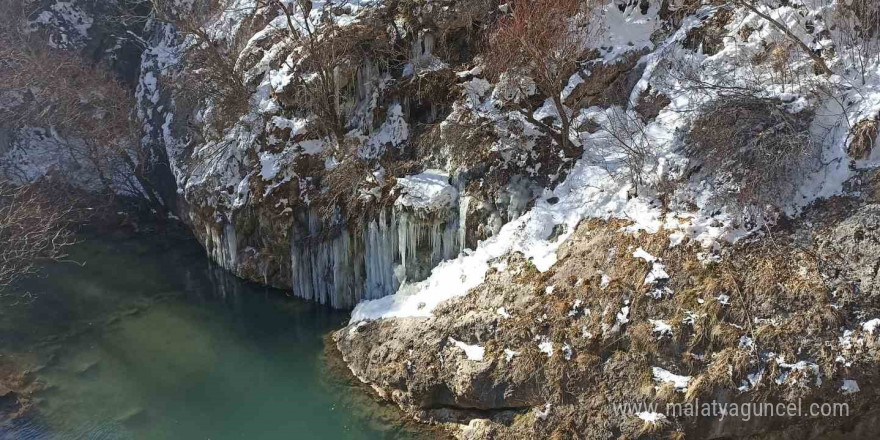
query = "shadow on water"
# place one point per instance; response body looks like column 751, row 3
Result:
column 149, row 340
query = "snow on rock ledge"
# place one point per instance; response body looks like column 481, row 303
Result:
column 426, row 191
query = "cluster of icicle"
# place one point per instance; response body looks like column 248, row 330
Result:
column 398, row 246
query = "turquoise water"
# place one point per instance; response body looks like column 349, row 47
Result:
column 148, row 340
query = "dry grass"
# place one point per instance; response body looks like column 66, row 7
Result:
column 768, row 279
column 710, row 36
column 651, row 103
column 543, row 40
column 863, row 138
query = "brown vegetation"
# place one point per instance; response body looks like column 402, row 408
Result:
column 210, row 69
column 758, row 8
column 755, row 148
column 709, row 37
column 863, row 138
column 543, row 40
column 329, row 55
column 858, row 23
column 763, row 297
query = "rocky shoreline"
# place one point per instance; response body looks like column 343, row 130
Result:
column 17, row 388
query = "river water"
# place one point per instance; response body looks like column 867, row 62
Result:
column 148, row 340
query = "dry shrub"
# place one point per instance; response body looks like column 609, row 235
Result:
column 33, row 227
column 675, row 11
column 754, row 148
column 780, row 57
column 863, row 138
column 330, row 55
column 456, row 24
column 651, row 103
column 430, row 95
column 866, row 15
column 342, row 197
column 710, row 36
column 210, row 72
column 757, row 7
column 467, row 139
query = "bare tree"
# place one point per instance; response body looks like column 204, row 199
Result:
column 33, row 228
column 544, row 40
column 210, row 68
column 328, row 54
column 627, row 132
column 324, row 57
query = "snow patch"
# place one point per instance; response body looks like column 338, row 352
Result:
column 429, row 190
column 510, row 354
column 871, row 326
column 849, row 387
column 661, row 328
column 472, row 352
column 651, row 417
column 664, row 376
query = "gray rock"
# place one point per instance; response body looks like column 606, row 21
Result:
column 851, row 250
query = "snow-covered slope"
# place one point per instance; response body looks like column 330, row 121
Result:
column 598, row 187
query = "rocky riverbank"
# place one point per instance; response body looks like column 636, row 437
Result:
column 623, row 317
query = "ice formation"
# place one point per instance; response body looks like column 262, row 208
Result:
column 374, row 261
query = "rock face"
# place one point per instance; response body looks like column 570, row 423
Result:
column 340, row 218
column 430, row 372
column 608, row 83
column 433, row 158
column 17, row 388
column 852, row 249
column 403, row 244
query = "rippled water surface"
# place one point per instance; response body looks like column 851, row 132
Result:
column 148, row 340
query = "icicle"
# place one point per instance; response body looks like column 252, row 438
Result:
column 231, row 247
column 463, row 207
column 222, row 246
column 379, row 256
column 400, row 244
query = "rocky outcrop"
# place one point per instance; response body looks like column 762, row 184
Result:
column 851, row 250
column 538, row 355
column 431, row 373
column 276, row 199
column 608, row 84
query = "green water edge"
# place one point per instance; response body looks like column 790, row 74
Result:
column 143, row 338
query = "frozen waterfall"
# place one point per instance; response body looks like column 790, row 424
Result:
column 372, row 260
